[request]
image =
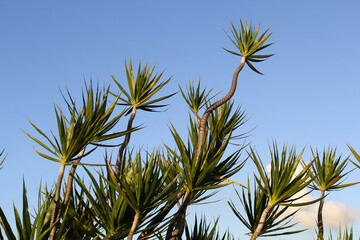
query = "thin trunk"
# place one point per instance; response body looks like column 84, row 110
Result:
column 197, row 121
column 56, row 199
column 134, row 226
column 179, row 223
column 261, row 222
column 203, row 121
column 160, row 216
column 125, row 143
column 320, row 223
column 70, row 182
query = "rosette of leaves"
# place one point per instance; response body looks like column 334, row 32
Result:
column 254, row 201
column 195, row 98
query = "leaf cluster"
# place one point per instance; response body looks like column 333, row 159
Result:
column 254, row 202
column 328, row 171
column 141, row 88
column 90, row 124
column 249, row 42
column 283, row 181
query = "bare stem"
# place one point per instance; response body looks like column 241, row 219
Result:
column 179, row 222
column 70, row 182
column 320, row 223
column 197, row 121
column 217, row 104
column 125, row 143
column 261, row 222
column 56, row 199
column 134, row 226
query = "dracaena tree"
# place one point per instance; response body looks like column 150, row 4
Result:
column 329, row 173
column 283, row 184
column 140, row 96
column 139, row 194
column 143, row 186
column 254, row 201
column 248, row 43
column 197, row 177
column 88, row 124
column 206, row 146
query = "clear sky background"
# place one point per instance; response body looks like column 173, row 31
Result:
column 307, row 97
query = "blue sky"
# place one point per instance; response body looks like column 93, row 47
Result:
column 307, row 97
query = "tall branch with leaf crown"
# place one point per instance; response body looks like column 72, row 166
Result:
column 329, row 173
column 282, row 183
column 249, row 45
column 142, row 88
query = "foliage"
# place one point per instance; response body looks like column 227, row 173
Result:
column 26, row 229
column 282, row 185
column 347, row 234
column 328, row 172
column 248, row 43
column 2, row 161
column 254, row 202
column 203, row 231
column 146, row 193
column 142, row 88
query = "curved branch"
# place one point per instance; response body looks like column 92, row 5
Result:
column 205, row 116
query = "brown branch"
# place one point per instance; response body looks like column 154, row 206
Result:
column 320, row 223
column 134, row 226
column 70, row 181
column 197, row 121
column 203, row 121
column 120, row 155
column 179, row 222
column 261, row 222
column 56, row 200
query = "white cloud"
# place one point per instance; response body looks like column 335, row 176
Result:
column 334, row 213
